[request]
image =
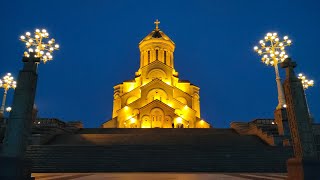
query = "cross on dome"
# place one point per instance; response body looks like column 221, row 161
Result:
column 157, row 22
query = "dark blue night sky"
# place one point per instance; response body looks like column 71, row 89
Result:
column 214, row 50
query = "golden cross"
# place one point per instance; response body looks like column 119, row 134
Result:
column 157, row 22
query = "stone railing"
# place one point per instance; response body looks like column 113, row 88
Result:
column 244, row 128
column 43, row 135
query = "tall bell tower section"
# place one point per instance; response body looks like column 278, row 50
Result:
column 156, row 46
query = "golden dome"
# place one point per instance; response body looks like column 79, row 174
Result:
column 156, row 34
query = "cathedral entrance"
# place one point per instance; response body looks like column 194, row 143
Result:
column 157, row 118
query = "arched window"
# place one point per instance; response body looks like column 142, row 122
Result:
column 165, row 57
column 157, row 54
column 157, row 94
column 148, row 57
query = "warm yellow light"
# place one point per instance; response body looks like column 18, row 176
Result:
column 272, row 46
column 306, row 83
column 38, row 44
column 179, row 120
column 126, row 108
column 8, row 109
column 130, row 86
column 133, row 120
column 8, row 82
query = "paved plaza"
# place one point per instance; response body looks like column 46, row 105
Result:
column 159, row 176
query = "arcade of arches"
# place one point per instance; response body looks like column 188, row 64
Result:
column 156, row 97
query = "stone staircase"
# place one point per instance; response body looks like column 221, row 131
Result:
column 266, row 131
column 157, row 150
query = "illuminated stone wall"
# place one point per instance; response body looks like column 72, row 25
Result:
column 156, row 98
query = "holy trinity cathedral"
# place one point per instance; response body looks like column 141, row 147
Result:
column 156, row 98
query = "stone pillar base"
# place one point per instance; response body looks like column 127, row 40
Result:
column 15, row 168
column 280, row 117
column 300, row 169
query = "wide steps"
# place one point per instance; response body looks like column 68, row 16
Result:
column 156, row 139
column 155, row 150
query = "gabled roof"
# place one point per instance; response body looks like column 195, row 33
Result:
column 157, row 102
column 157, row 62
column 156, row 80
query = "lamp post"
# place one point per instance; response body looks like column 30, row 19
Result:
column 37, row 47
column 6, row 83
column 306, row 83
column 20, row 120
column 272, row 50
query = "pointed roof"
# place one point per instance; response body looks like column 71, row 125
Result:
column 157, row 34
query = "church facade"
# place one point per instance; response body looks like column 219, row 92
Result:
column 156, row 97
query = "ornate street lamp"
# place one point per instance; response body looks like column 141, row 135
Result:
column 6, row 83
column 306, row 83
column 272, row 50
column 37, row 46
column 20, row 120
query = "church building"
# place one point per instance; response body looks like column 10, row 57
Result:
column 156, row 97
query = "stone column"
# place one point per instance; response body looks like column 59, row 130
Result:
column 19, row 126
column 305, row 164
